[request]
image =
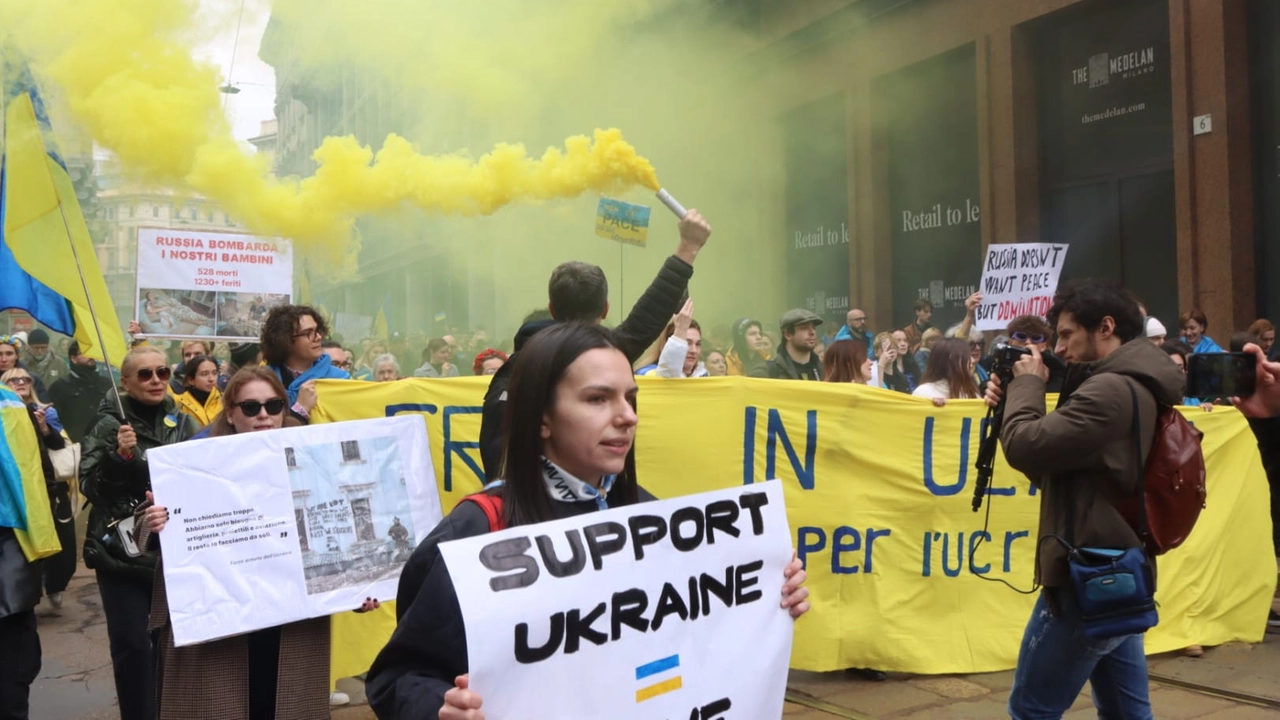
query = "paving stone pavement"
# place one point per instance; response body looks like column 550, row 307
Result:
column 76, row 681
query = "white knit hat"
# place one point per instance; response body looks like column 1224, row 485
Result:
column 1155, row 328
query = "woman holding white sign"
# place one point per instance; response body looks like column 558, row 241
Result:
column 569, row 450
column 280, row 672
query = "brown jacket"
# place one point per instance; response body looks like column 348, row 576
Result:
column 210, row 681
column 1081, row 456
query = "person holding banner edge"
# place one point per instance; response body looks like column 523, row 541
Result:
column 569, row 450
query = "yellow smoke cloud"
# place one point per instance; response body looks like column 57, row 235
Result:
column 125, row 70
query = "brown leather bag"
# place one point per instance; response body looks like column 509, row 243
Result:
column 1173, row 492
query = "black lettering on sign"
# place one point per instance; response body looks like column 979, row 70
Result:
column 562, row 568
column 528, row 655
column 628, row 609
column 721, row 515
column 604, row 539
column 646, row 530
column 686, row 529
column 681, row 518
column 579, row 628
column 506, row 555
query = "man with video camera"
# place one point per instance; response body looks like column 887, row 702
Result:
column 1084, row 458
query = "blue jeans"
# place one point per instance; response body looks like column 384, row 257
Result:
column 1055, row 660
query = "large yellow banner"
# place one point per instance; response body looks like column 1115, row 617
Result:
column 879, row 488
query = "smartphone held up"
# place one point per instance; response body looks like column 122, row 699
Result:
column 1221, row 375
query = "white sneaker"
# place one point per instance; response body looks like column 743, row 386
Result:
column 55, row 599
column 339, row 698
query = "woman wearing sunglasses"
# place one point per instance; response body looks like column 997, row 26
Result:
column 200, row 397
column 114, row 477
column 10, row 350
column 58, row 569
column 240, row 677
column 1025, row 331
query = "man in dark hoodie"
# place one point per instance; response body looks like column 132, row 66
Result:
column 1082, row 458
column 78, row 395
column 579, row 291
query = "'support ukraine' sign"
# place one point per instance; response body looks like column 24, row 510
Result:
column 1018, row 279
column 196, row 283
column 272, row 527
column 667, row 609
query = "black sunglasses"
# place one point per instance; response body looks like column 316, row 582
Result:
column 251, row 408
column 1024, row 337
column 164, row 372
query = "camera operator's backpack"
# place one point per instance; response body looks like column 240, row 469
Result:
column 1173, row 492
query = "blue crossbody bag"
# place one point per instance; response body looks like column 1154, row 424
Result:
column 1115, row 588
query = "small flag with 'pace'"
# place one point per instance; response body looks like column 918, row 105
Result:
column 649, row 671
column 622, row 221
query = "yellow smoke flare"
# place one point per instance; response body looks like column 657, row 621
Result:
column 123, row 68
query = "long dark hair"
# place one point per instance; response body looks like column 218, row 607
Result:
column 221, row 425
column 538, row 369
column 949, row 360
column 843, row 362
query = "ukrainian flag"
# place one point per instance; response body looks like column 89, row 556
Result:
column 380, row 323
column 24, row 502
column 38, row 268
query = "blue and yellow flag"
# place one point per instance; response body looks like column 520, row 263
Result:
column 622, row 222
column 24, row 502
column 43, row 234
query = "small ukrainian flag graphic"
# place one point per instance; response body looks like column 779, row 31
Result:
column 658, row 667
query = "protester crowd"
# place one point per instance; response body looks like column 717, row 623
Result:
column 561, row 402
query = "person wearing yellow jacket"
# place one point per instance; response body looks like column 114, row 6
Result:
column 200, row 399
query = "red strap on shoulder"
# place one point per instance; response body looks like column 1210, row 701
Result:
column 492, row 507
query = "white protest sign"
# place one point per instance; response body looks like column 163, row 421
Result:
column 198, row 283
column 271, row 527
column 661, row 610
column 1018, row 279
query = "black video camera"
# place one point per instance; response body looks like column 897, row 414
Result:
column 1004, row 357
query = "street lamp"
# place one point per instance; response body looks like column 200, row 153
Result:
column 234, row 88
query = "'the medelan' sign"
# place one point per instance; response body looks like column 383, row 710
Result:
column 665, row 610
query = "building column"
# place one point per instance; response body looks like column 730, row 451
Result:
column 1213, row 171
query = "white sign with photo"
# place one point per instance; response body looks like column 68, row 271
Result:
column 1018, row 279
column 200, row 283
column 662, row 610
column 272, row 527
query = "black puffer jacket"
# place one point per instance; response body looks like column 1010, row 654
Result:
column 648, row 318
column 114, row 485
column 428, row 649
column 77, row 397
